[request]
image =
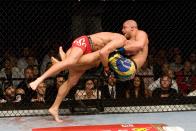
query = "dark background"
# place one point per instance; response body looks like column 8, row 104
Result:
column 40, row 24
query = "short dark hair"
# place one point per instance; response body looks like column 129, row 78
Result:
column 165, row 75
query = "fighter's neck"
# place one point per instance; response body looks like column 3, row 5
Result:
column 132, row 37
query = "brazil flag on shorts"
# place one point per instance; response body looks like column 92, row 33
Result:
column 123, row 68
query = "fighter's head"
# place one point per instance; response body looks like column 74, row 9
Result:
column 129, row 28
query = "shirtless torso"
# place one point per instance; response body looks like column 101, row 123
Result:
column 139, row 56
column 99, row 40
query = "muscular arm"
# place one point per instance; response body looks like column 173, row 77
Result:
column 138, row 44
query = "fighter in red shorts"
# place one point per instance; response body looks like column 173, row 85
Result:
column 104, row 42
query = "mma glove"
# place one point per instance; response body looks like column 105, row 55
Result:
column 121, row 50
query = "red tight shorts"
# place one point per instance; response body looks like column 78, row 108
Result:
column 83, row 43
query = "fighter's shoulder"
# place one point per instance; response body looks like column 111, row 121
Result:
column 141, row 32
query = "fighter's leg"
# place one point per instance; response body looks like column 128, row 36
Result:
column 64, row 89
column 117, row 42
column 54, row 60
column 80, row 66
column 90, row 58
column 71, row 59
column 62, row 55
column 86, row 62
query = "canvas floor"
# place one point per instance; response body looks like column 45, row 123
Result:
column 185, row 120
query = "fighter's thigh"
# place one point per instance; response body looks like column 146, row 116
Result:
column 63, row 54
column 75, row 52
column 90, row 58
column 68, row 51
column 86, row 66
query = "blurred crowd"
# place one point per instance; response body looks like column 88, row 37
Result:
column 165, row 74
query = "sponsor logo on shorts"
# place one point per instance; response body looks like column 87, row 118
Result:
column 80, row 42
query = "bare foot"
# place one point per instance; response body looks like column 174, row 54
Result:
column 62, row 53
column 34, row 84
column 54, row 60
column 55, row 115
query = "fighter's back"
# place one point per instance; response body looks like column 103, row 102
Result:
column 101, row 39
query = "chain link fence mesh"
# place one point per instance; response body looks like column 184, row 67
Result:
column 32, row 29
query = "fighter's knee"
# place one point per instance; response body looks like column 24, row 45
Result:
column 122, row 40
column 103, row 53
